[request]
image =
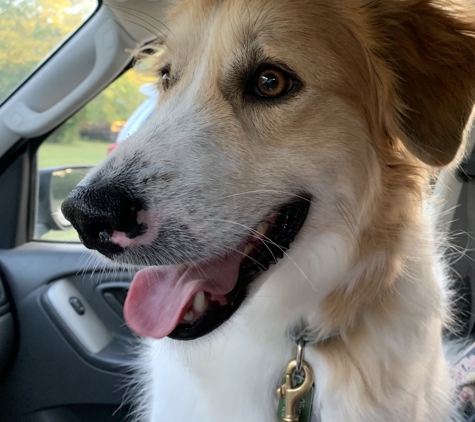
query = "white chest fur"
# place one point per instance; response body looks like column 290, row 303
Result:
column 232, row 374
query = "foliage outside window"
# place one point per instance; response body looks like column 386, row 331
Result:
column 30, row 31
column 84, row 138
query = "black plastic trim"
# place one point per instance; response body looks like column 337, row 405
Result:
column 7, row 340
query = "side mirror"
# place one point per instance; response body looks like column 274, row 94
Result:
column 55, row 183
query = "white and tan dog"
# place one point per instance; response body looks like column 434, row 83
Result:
column 302, row 132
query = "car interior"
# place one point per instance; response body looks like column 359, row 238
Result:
column 65, row 352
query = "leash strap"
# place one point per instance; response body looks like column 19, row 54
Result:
column 309, row 337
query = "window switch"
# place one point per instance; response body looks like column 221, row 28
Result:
column 77, row 305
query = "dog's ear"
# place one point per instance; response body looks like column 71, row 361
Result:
column 431, row 52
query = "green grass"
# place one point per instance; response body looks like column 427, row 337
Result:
column 78, row 152
column 70, row 235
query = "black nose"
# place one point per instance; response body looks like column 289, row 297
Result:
column 96, row 211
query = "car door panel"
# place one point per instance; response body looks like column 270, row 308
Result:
column 52, row 367
column 7, row 333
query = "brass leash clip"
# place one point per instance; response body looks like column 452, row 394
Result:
column 293, row 392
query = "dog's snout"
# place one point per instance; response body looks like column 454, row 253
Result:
column 97, row 212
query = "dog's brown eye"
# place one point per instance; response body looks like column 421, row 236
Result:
column 165, row 78
column 273, row 83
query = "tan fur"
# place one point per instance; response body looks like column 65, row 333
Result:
column 436, row 91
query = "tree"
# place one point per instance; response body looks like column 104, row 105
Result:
column 117, row 102
column 30, row 31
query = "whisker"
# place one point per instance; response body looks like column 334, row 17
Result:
column 273, row 243
column 144, row 14
column 117, row 19
column 267, row 191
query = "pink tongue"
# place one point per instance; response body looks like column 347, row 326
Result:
column 160, row 296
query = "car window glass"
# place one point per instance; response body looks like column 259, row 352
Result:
column 84, row 140
column 30, row 31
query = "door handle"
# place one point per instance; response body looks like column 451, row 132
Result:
column 28, row 123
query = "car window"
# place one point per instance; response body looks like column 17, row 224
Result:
column 30, row 31
column 82, row 141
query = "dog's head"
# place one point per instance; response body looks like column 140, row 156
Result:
column 308, row 120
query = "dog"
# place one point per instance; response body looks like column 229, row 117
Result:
column 280, row 195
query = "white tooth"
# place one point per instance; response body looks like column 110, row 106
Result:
column 188, row 316
column 262, row 228
column 248, row 249
column 200, row 302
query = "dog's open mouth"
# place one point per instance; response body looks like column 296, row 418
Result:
column 186, row 302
